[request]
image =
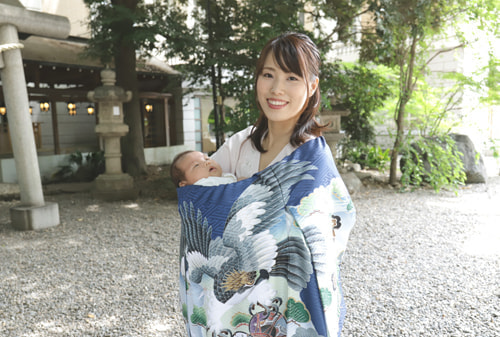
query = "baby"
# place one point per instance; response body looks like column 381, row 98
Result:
column 196, row 168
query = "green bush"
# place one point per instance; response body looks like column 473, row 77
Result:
column 370, row 156
column 433, row 161
column 360, row 88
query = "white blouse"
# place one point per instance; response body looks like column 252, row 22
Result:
column 238, row 156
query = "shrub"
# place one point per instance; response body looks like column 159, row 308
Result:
column 371, row 156
column 434, row 161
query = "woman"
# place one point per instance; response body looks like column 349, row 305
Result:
column 261, row 257
column 288, row 97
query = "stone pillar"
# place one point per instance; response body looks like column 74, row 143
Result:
column 113, row 184
column 21, row 129
column 333, row 116
column 33, row 212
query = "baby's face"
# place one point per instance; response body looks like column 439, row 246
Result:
column 197, row 165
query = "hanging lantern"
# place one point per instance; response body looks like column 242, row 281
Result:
column 148, row 107
column 3, row 110
column 90, row 110
column 44, row 106
column 71, row 108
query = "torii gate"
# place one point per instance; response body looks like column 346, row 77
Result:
column 33, row 212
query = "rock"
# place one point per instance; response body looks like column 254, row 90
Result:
column 363, row 175
column 475, row 169
column 349, row 166
column 352, row 182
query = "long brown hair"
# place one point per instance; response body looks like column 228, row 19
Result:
column 295, row 53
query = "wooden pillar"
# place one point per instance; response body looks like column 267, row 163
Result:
column 55, row 127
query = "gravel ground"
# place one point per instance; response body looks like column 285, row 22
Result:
column 418, row 264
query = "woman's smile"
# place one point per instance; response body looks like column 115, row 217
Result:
column 276, row 104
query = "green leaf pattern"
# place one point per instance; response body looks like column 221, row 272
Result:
column 297, row 311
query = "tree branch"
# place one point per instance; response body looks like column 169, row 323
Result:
column 441, row 52
column 339, row 28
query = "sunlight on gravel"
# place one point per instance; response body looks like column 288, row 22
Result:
column 417, row 264
column 485, row 239
column 481, row 220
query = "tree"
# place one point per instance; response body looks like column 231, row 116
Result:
column 230, row 38
column 398, row 38
column 401, row 36
column 220, row 47
column 119, row 28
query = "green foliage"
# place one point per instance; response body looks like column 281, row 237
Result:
column 113, row 23
column 234, row 120
column 429, row 154
column 431, row 109
column 494, row 146
column 223, row 41
column 371, row 156
column 433, row 161
column 492, row 80
column 81, row 168
column 403, row 33
column 238, row 31
column 342, row 81
column 399, row 24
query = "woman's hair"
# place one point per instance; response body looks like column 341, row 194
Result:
column 294, row 53
column 176, row 174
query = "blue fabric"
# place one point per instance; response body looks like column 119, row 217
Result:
column 262, row 256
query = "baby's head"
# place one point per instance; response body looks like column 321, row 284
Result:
column 190, row 166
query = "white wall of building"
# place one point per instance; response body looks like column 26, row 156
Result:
column 76, row 133
column 74, row 10
column 188, row 121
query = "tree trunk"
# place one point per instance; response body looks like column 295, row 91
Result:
column 133, row 160
column 393, row 180
column 407, row 85
column 132, row 144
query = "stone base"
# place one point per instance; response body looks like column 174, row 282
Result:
column 35, row 217
column 114, row 187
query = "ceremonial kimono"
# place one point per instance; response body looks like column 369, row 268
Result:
column 261, row 257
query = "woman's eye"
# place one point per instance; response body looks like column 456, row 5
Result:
column 267, row 75
column 293, row 78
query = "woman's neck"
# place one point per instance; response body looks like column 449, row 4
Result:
column 278, row 135
column 277, row 138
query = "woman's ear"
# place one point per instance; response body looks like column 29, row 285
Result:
column 182, row 183
column 313, row 86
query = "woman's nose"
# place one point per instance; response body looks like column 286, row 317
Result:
column 277, row 87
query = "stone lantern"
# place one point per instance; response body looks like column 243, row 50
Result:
column 333, row 116
column 113, row 184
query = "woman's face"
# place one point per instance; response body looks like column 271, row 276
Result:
column 282, row 95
